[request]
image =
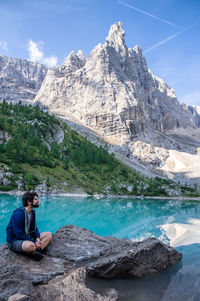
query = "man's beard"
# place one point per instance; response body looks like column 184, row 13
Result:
column 35, row 205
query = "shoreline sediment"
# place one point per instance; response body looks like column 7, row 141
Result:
column 100, row 196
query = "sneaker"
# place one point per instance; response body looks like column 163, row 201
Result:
column 37, row 256
column 44, row 251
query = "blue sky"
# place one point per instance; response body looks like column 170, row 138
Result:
column 167, row 30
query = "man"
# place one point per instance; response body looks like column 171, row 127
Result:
column 22, row 233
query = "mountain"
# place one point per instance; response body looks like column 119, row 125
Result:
column 20, row 79
column 113, row 94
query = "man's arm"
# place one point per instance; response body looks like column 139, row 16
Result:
column 36, row 234
column 18, row 222
column 37, row 238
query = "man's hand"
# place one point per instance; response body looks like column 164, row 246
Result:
column 38, row 243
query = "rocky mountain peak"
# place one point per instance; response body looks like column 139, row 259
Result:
column 74, row 60
column 137, row 57
column 138, row 50
column 115, row 38
column 114, row 82
column 80, row 54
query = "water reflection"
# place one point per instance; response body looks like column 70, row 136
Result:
column 181, row 234
column 185, row 285
column 178, row 283
column 145, row 289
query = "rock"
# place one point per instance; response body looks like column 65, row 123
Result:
column 20, row 79
column 42, row 188
column 57, row 135
column 70, row 287
column 73, row 253
column 130, row 188
column 6, row 182
column 133, row 260
column 20, row 182
column 1, row 175
column 9, row 174
column 19, row 297
column 5, row 175
column 109, row 257
column 20, row 273
column 22, row 278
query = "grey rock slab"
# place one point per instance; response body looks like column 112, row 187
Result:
column 73, row 252
column 134, row 260
column 23, row 279
column 70, row 287
column 19, row 273
column 109, row 257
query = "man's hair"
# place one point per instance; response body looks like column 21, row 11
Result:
column 28, row 196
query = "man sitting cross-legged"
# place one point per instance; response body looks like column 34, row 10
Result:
column 22, row 233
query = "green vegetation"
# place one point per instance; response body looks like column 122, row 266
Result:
column 31, row 150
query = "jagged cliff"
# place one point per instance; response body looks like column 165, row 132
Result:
column 20, row 79
column 114, row 94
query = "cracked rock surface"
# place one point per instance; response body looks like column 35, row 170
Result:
column 73, row 253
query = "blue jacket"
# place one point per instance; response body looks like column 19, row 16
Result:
column 17, row 227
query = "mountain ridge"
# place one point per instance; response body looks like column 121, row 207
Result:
column 20, row 79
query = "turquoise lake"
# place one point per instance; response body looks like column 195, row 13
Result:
column 177, row 223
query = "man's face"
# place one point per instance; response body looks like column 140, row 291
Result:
column 35, row 203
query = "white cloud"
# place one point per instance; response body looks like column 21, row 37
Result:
column 50, row 61
column 36, row 54
column 4, row 45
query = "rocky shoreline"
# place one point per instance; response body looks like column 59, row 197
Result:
column 100, row 196
column 74, row 253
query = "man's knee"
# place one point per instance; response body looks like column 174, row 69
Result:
column 49, row 235
column 28, row 247
column 46, row 235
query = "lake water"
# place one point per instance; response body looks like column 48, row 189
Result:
column 176, row 223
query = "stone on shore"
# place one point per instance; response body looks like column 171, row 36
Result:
column 109, row 257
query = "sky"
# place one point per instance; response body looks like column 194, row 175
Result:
column 168, row 31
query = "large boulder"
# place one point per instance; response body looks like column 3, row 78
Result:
column 109, row 257
column 73, row 253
